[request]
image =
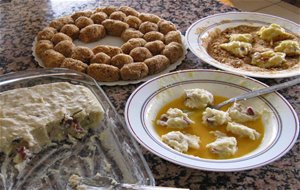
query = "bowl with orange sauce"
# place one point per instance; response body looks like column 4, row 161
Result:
column 160, row 119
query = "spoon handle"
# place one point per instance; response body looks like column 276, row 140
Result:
column 259, row 92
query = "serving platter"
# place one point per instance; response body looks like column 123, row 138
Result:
column 201, row 29
column 145, row 102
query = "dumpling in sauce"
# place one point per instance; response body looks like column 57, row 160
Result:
column 213, row 117
column 241, row 113
column 268, row 59
column 241, row 38
column 274, row 32
column 223, row 146
column 181, row 142
column 242, row 130
column 175, row 118
column 198, row 98
column 289, row 47
column 236, row 48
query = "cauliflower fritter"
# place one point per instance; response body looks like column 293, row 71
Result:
column 52, row 58
column 114, row 27
column 92, row 33
column 70, row 30
column 120, row 60
column 155, row 47
column 157, row 64
column 74, row 64
column 46, row 34
column 148, row 27
column 104, row 72
column 83, row 54
column 132, row 43
column 65, row 47
column 173, row 51
column 134, row 71
column 100, row 58
column 139, row 54
column 131, row 33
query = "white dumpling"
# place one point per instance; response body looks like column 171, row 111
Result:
column 181, row 142
column 289, row 47
column 268, row 59
column 198, row 98
column 242, row 130
column 241, row 113
column 239, row 49
column 223, row 146
column 213, row 117
column 175, row 118
column 241, row 38
column 274, row 32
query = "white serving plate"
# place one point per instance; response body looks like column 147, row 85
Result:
column 279, row 118
column 116, row 41
column 200, row 30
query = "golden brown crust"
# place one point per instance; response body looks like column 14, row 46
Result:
column 99, row 17
column 129, row 11
column 148, row 27
column 65, row 47
column 154, row 35
column 139, row 54
column 173, row 51
column 74, row 64
column 166, row 26
column 173, row 36
column 58, row 37
column 101, row 58
column 92, row 33
column 157, row 64
column 70, row 30
column 133, row 21
column 134, row 71
column 120, row 60
column 114, row 27
column 59, row 23
column 42, row 46
column 83, row 21
column 46, row 34
column 155, row 47
column 149, row 17
column 132, row 43
column 131, row 33
column 109, row 50
column 52, row 58
column 83, row 54
column 118, row 15
column 81, row 13
column 108, row 10
column 104, row 72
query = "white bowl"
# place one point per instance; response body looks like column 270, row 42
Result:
column 279, row 118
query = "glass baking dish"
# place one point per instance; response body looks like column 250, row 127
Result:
column 116, row 154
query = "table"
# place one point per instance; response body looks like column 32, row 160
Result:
column 21, row 20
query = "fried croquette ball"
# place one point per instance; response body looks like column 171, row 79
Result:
column 42, row 46
column 129, row 11
column 148, row 27
column 101, row 58
column 120, row 60
column 134, row 71
column 99, row 17
column 173, row 51
column 131, row 33
column 65, row 47
column 153, row 35
column 58, row 37
column 81, row 13
column 70, row 30
column 155, row 47
column 74, row 64
column 157, row 64
column 46, row 34
column 104, row 72
column 107, row 10
column 140, row 54
column 133, row 21
column 132, row 43
column 109, row 50
column 149, row 17
column 59, row 23
column 83, row 54
column 166, row 26
column 52, row 58
column 92, row 33
column 173, row 36
column 114, row 27
column 83, row 21
column 118, row 15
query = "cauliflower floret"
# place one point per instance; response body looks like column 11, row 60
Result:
column 289, row 47
column 223, row 146
column 274, row 32
column 175, row 118
column 213, row 117
column 268, row 59
column 198, row 98
column 181, row 142
column 239, row 49
column 242, row 130
column 240, row 113
column 241, row 38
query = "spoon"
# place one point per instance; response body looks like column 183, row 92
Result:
column 99, row 182
column 258, row 92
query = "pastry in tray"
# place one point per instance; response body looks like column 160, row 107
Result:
column 33, row 118
column 147, row 38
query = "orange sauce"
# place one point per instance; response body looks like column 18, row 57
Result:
column 245, row 145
